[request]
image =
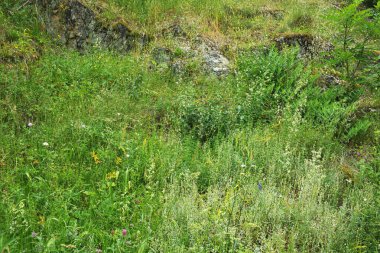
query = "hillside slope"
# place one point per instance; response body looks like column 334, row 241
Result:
column 189, row 126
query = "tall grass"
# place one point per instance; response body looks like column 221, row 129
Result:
column 198, row 180
column 156, row 10
column 100, row 153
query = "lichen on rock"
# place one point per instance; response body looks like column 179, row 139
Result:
column 214, row 60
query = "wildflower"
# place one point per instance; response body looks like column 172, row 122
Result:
column 34, row 234
column 45, row 144
column 112, row 175
column 243, row 165
column 95, row 157
column 69, row 246
column 260, row 186
column 118, row 114
column 30, row 124
column 124, row 232
column 83, row 126
column 118, row 160
column 99, row 251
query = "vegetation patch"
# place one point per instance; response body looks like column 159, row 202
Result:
column 213, row 137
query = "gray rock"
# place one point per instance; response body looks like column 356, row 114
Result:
column 175, row 31
column 310, row 46
column 179, row 67
column 77, row 26
column 214, row 61
column 162, row 55
column 326, row 80
column 200, row 50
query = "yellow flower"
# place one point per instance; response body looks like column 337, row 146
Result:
column 112, row 175
column 118, row 160
column 42, row 220
column 95, row 157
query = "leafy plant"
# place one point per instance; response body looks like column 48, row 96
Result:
column 358, row 32
column 204, row 119
column 270, row 81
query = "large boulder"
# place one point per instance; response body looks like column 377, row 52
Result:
column 78, row 26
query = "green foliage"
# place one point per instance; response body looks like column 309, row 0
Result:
column 153, row 10
column 270, row 82
column 359, row 129
column 204, row 119
column 21, row 37
column 100, row 152
column 366, row 223
column 358, row 33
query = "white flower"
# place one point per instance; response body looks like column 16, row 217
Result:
column 243, row 165
column 45, row 144
column 118, row 114
column 30, row 124
column 83, row 126
column 128, row 155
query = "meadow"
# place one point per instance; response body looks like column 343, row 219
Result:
column 100, row 152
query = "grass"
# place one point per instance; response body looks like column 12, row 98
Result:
column 264, row 160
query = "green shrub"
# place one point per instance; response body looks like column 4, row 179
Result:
column 269, row 82
column 358, row 33
column 204, row 119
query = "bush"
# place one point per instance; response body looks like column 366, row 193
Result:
column 204, row 119
column 269, row 82
column 358, row 31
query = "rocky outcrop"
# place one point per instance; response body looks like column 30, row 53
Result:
column 174, row 31
column 162, row 55
column 78, row 26
column 201, row 50
column 326, row 81
column 214, row 60
column 310, row 46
